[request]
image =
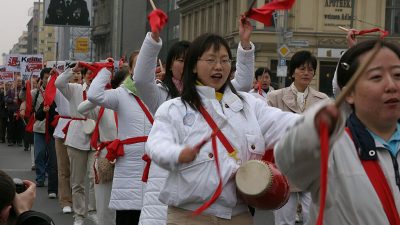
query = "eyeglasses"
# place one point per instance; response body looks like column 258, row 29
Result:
column 213, row 62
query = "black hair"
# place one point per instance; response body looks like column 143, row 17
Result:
column 300, row 58
column 178, row 50
column 200, row 45
column 260, row 71
column 119, row 77
column 349, row 62
column 7, row 190
column 44, row 70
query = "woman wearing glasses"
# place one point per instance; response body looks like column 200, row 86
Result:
column 153, row 95
column 297, row 98
column 247, row 123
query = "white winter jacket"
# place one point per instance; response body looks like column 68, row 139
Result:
column 351, row 198
column 128, row 188
column 248, row 123
column 153, row 95
column 76, row 138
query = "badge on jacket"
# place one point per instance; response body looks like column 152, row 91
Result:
column 188, row 119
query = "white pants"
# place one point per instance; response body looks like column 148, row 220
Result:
column 287, row 214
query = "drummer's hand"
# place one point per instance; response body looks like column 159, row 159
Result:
column 187, row 155
column 329, row 114
column 46, row 108
column 351, row 38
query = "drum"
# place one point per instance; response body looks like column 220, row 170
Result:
column 88, row 126
column 262, row 185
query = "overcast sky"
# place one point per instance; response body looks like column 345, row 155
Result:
column 14, row 16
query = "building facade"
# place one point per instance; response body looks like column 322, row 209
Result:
column 310, row 25
column 121, row 25
column 41, row 39
column 22, row 46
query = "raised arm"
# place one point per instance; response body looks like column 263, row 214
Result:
column 88, row 109
column 97, row 93
column 62, row 83
column 245, row 59
column 144, row 72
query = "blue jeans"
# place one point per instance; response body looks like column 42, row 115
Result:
column 46, row 161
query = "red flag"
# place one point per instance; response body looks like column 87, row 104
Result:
column 28, row 98
column 264, row 13
column 157, row 19
column 50, row 91
column 384, row 33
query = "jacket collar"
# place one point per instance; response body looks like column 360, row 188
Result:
column 230, row 99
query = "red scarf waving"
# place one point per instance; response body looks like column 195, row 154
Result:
column 48, row 98
column 264, row 13
column 28, row 98
column 157, row 19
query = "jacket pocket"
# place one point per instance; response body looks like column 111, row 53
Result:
column 255, row 144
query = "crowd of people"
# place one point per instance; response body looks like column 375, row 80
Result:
column 161, row 145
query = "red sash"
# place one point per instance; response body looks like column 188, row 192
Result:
column 116, row 148
column 231, row 151
column 382, row 188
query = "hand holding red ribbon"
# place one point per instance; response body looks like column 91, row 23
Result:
column 264, row 13
column 157, row 19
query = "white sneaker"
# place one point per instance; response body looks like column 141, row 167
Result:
column 78, row 220
column 67, row 210
column 92, row 216
column 52, row 195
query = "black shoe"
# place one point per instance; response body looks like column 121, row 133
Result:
column 19, row 144
column 26, row 149
column 2, row 141
column 33, row 167
column 10, row 144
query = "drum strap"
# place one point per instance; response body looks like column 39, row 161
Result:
column 381, row 186
column 231, row 151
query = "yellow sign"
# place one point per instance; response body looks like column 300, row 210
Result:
column 283, row 50
column 81, row 45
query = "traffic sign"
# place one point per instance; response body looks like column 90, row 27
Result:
column 282, row 62
column 281, row 71
column 299, row 43
column 283, row 50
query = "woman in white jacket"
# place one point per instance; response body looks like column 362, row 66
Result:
column 133, row 127
column 372, row 140
column 106, row 132
column 249, row 125
column 153, row 95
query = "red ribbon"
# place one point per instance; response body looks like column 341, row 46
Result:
column 50, row 91
column 157, row 19
column 96, row 67
column 384, row 33
column 96, row 131
column 29, row 126
column 146, row 170
column 28, row 98
column 324, row 143
column 65, row 129
column 116, row 148
column 264, row 13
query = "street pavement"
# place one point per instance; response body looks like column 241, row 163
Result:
column 17, row 163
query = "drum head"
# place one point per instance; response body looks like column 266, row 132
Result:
column 253, row 178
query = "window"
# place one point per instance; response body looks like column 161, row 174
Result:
column 49, row 35
column 42, row 41
column 49, row 49
column 392, row 17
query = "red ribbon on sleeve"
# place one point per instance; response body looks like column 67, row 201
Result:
column 157, row 19
column 264, row 13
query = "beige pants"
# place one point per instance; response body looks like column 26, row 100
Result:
column 81, row 163
column 177, row 216
column 64, row 186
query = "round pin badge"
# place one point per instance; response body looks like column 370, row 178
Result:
column 188, row 119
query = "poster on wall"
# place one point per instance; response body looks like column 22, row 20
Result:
column 75, row 13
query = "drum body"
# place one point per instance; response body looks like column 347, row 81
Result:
column 262, row 185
